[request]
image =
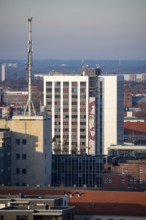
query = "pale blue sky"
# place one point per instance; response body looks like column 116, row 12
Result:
column 74, row 29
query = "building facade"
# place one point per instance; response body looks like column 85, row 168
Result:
column 30, row 150
column 86, row 109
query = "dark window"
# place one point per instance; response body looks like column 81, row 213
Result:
column 17, row 170
column 65, row 83
column 22, row 217
column 24, row 156
column 24, row 141
column 17, row 156
column 18, row 141
column 48, row 83
column 24, row 171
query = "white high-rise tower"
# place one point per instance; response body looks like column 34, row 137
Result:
column 86, row 109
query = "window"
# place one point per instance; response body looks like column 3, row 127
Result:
column 57, row 83
column 17, row 156
column 57, row 96
column 109, row 180
column 141, row 169
column 22, row 217
column 24, row 171
column 65, row 83
column 24, row 156
column 18, row 141
column 17, row 170
column 48, row 83
column 74, row 116
column 123, row 180
column 83, row 83
column 24, row 141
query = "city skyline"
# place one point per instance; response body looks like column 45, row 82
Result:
column 79, row 29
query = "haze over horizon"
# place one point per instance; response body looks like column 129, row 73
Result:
column 78, row 29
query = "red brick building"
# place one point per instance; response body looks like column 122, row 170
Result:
column 125, row 175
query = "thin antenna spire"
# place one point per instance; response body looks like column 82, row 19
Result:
column 29, row 106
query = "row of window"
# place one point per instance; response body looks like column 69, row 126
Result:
column 19, row 141
column 19, row 156
column 65, row 83
column 141, row 169
column 141, row 181
column 21, row 171
column 57, row 103
column 131, row 181
column 73, row 116
column 58, row 96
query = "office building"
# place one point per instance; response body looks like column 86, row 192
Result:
column 30, row 150
column 86, row 109
column 77, row 170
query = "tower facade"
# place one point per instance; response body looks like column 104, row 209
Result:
column 110, row 117
column 67, row 99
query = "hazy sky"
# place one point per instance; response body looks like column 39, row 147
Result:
column 74, row 29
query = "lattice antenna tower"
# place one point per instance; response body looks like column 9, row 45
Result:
column 29, row 109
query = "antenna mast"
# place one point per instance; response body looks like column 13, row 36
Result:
column 29, row 106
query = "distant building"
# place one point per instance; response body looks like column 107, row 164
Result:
column 3, row 72
column 30, row 150
column 14, row 98
column 86, row 109
column 135, row 130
